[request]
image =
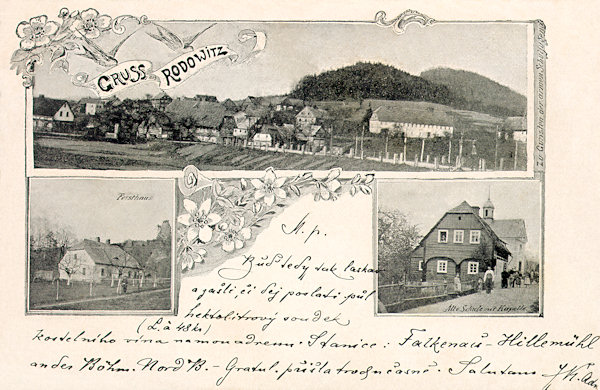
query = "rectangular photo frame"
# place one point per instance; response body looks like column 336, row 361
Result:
column 101, row 246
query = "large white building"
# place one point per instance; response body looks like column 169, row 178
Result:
column 412, row 120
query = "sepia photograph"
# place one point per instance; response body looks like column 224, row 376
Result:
column 143, row 94
column 459, row 247
column 100, row 245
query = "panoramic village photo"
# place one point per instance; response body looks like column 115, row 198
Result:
column 354, row 95
column 459, row 247
column 100, row 245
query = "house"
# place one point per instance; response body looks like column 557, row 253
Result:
column 243, row 124
column 262, row 140
column 161, row 101
column 412, row 120
column 90, row 106
column 517, row 125
column 96, row 260
column 289, row 104
column 204, row 117
column 512, row 232
column 229, row 105
column 460, row 243
column 314, row 136
column 52, row 114
column 206, row 98
column 310, row 116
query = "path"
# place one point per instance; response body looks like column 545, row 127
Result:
column 55, row 304
column 499, row 301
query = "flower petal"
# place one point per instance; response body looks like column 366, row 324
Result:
column 27, row 44
column 42, row 41
column 239, row 244
column 228, row 246
column 246, row 233
column 89, row 13
column 256, row 183
column 192, row 233
column 190, row 206
column 103, row 21
column 269, row 199
column 50, row 28
column 205, row 206
column 280, row 193
column 185, row 219
column 259, row 194
column 24, row 30
column 213, row 219
column 269, row 176
column 92, row 33
column 279, row 181
column 205, row 234
column 333, row 185
column 202, row 252
column 38, row 21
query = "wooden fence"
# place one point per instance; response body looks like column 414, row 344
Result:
column 410, row 293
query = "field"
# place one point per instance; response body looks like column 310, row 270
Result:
column 42, row 294
column 64, row 153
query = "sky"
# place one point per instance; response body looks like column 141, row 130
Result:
column 426, row 201
column 296, row 49
column 89, row 207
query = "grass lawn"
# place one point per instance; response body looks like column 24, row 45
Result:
column 44, row 292
column 63, row 153
column 153, row 300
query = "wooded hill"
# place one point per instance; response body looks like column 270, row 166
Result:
column 478, row 93
column 456, row 88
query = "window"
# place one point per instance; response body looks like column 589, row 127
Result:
column 442, row 266
column 75, row 256
column 442, row 235
column 420, row 265
column 473, row 267
column 459, row 236
column 101, row 271
column 475, row 236
column 83, row 271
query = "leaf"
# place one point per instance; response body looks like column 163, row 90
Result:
column 243, row 183
column 355, row 179
column 256, row 207
column 295, row 189
column 257, row 225
column 19, row 55
column 369, row 178
column 71, row 45
column 58, row 53
column 224, row 202
column 333, row 174
column 307, row 175
column 365, row 189
column 217, row 188
column 317, row 197
column 280, row 205
column 353, row 190
column 269, row 212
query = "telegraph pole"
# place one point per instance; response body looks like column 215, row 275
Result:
column 362, row 141
column 496, row 150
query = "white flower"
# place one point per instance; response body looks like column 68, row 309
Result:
column 191, row 254
column 36, row 33
column 90, row 23
column 269, row 188
column 200, row 221
column 234, row 237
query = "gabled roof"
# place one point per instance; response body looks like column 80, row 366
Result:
column 509, row 228
column 106, row 254
column 413, row 112
column 316, row 112
column 466, row 208
column 90, row 100
column 206, row 114
column 44, row 106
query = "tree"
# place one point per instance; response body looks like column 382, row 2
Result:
column 70, row 265
column 484, row 253
column 396, row 239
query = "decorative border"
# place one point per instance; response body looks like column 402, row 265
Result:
column 401, row 22
column 227, row 213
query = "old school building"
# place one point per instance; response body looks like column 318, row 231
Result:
column 461, row 243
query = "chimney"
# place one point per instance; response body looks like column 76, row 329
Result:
column 97, row 239
column 108, row 241
column 476, row 210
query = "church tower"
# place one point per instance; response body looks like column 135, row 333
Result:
column 488, row 209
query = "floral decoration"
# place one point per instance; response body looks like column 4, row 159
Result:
column 76, row 32
column 221, row 216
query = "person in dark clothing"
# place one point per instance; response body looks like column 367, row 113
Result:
column 505, row 276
